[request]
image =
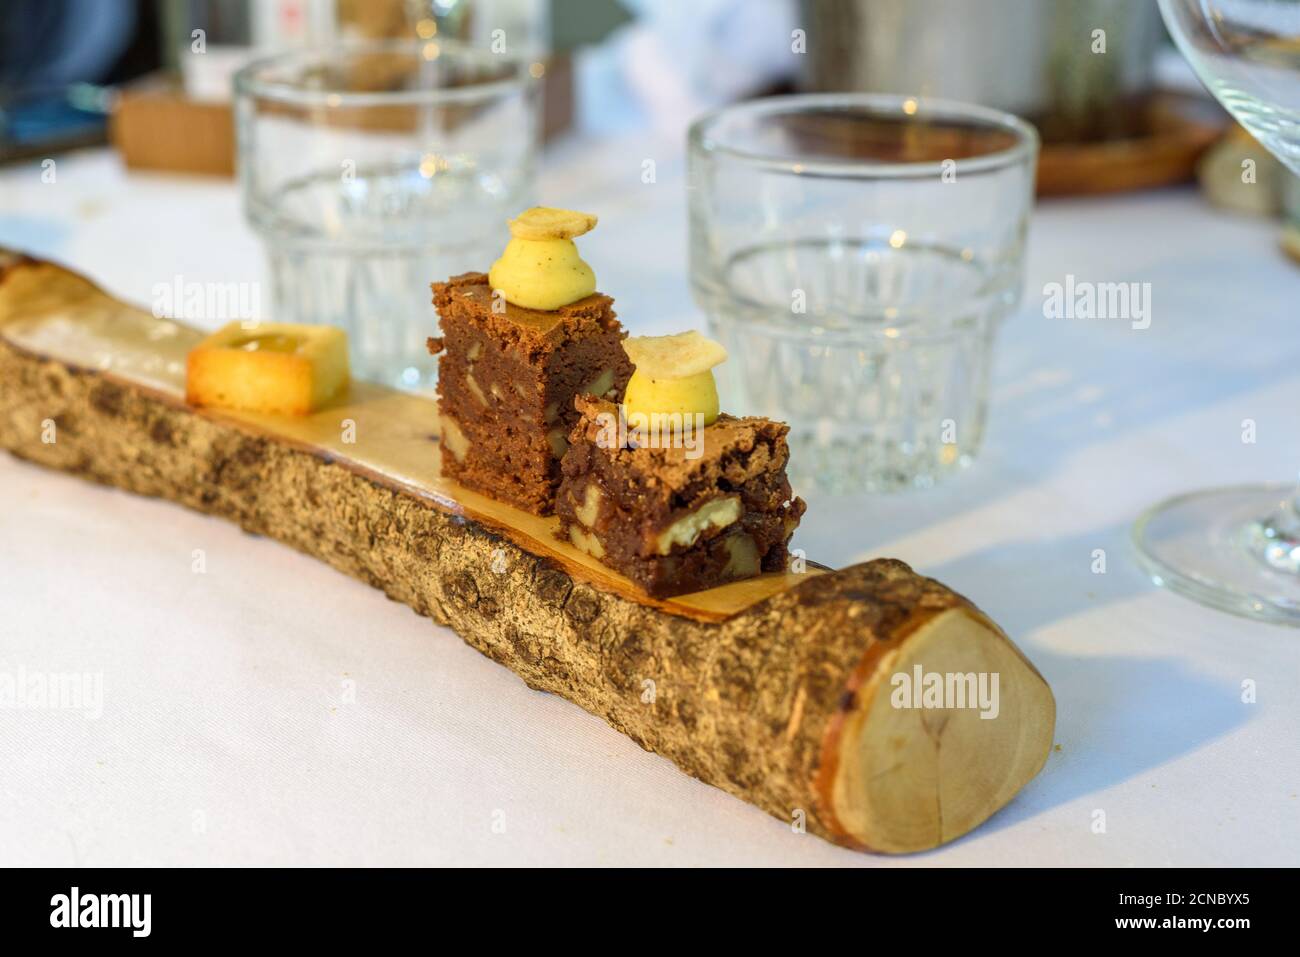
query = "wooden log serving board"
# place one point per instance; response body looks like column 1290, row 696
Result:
column 775, row 689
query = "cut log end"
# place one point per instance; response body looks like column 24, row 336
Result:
column 902, row 774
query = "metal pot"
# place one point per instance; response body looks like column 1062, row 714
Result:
column 1042, row 59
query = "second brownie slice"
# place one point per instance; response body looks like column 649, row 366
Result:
column 506, row 382
column 676, row 519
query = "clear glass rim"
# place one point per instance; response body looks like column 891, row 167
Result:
column 890, row 105
column 249, row 80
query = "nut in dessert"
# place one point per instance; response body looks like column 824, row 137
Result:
column 586, row 542
column 742, row 556
column 559, row 442
column 587, row 512
column 454, row 439
column 475, row 389
column 601, row 385
column 718, row 513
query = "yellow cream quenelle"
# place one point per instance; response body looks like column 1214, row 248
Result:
column 673, row 374
column 540, row 267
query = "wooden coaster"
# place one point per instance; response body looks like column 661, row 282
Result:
column 1177, row 129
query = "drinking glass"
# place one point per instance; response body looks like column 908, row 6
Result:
column 373, row 169
column 1238, row 548
column 856, row 253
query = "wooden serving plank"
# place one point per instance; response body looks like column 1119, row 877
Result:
column 391, row 437
column 785, row 702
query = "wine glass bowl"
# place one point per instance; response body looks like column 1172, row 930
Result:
column 1247, row 53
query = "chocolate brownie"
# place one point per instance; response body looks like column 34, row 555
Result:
column 506, row 382
column 678, row 519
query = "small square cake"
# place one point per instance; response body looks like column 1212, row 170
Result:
column 678, row 519
column 277, row 368
column 507, row 378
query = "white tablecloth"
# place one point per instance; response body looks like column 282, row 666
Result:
column 272, row 710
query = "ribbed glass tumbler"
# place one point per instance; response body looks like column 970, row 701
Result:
column 856, row 254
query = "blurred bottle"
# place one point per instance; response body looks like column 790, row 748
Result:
column 519, row 27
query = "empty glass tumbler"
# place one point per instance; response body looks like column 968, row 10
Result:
column 371, row 170
column 856, row 253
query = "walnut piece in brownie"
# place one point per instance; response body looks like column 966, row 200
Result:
column 673, row 521
column 507, row 377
